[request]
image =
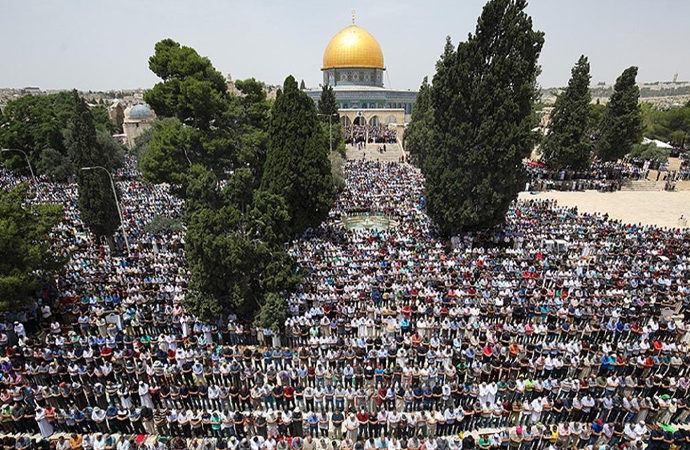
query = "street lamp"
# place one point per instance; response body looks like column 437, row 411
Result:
column 330, row 128
column 4, row 150
column 117, row 203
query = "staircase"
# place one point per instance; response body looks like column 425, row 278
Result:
column 643, row 185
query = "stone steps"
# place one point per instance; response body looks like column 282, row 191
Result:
column 643, row 185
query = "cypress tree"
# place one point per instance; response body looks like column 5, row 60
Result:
column 96, row 202
column 297, row 165
column 418, row 134
column 482, row 96
column 569, row 141
column 327, row 104
column 621, row 126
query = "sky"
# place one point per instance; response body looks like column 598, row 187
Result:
column 101, row 45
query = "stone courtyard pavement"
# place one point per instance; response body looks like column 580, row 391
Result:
column 659, row 208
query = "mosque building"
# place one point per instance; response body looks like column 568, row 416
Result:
column 353, row 65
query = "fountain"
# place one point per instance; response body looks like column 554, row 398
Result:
column 378, row 222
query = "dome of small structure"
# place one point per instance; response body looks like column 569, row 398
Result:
column 140, row 112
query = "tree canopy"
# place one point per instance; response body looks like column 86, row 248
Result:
column 419, row 133
column 650, row 152
column 192, row 90
column 28, row 262
column 234, row 250
column 297, row 163
column 621, row 125
column 569, row 141
column 195, row 94
column 212, row 146
column 670, row 125
column 96, row 201
column 482, row 96
column 327, row 105
column 37, row 124
column 203, row 123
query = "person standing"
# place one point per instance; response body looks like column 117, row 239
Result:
column 43, row 424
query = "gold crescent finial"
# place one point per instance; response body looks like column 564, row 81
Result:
column 353, row 17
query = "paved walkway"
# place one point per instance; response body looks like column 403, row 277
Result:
column 392, row 154
column 659, row 208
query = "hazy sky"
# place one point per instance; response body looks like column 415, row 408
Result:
column 96, row 44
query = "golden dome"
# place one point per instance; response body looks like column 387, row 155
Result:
column 353, row 47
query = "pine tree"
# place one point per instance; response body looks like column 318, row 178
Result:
column 297, row 165
column 621, row 126
column 328, row 105
column 569, row 141
column 302, row 86
column 418, row 134
column 192, row 91
column 482, row 96
column 96, row 201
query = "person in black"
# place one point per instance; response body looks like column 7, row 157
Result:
column 186, row 397
column 373, row 423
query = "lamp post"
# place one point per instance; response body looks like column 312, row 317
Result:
column 117, row 203
column 5, row 150
column 330, row 128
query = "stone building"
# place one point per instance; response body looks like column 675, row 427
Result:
column 138, row 118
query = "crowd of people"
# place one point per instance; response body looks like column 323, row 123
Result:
column 371, row 134
column 601, row 176
column 395, row 339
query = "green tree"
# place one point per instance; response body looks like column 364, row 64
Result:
column 165, row 158
column 297, row 164
column 234, row 256
column 55, row 165
column 102, row 120
column 234, row 235
column 240, row 189
column 195, row 94
column 142, row 143
column 650, row 152
column 569, row 141
column 112, row 153
column 596, row 112
column 273, row 313
column 419, row 133
column 482, row 96
column 34, row 123
column 96, row 202
column 621, row 125
column 302, row 86
column 191, row 90
column 28, row 261
column 255, row 115
column 40, row 124
column 327, row 108
column 163, row 224
column 327, row 105
column 670, row 125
